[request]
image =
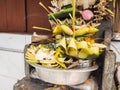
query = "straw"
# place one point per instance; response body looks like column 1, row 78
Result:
column 41, row 4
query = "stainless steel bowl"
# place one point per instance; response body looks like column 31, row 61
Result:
column 62, row 76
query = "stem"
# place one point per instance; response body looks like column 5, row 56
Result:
column 73, row 20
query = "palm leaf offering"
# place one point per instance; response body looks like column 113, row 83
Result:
column 74, row 25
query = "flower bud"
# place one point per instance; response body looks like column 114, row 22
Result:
column 87, row 14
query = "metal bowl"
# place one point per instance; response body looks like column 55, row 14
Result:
column 62, row 76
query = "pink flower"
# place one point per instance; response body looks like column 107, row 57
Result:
column 87, row 14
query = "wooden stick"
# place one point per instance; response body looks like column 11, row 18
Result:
column 35, row 27
column 116, row 26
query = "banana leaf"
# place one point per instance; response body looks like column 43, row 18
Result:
column 72, row 48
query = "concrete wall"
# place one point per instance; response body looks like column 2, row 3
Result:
column 12, row 59
column 116, row 45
